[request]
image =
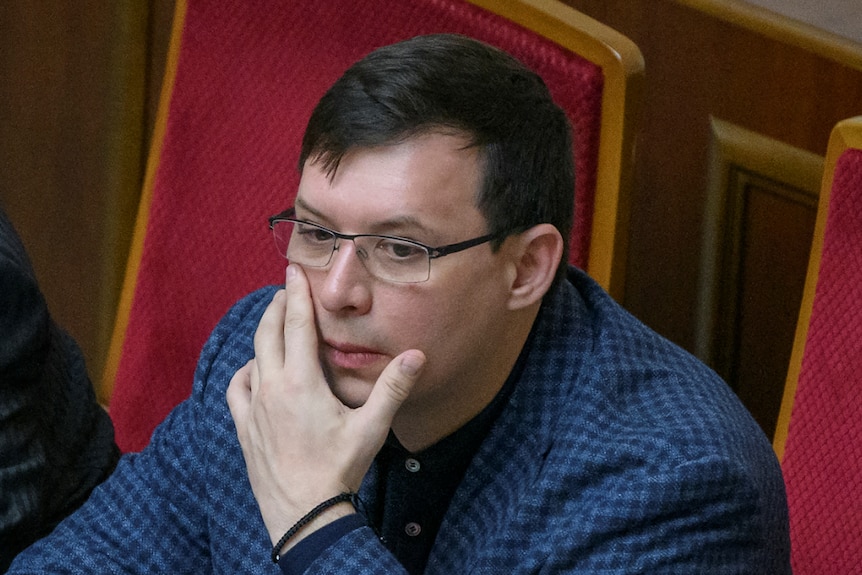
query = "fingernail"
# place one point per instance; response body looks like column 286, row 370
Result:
column 412, row 364
column 290, row 273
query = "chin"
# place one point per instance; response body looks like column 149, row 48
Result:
column 351, row 391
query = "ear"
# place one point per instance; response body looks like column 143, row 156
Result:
column 537, row 254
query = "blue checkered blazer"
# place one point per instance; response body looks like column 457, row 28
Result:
column 617, row 453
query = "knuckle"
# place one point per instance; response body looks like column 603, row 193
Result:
column 398, row 388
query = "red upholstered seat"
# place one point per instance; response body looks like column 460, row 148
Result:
column 242, row 79
column 822, row 447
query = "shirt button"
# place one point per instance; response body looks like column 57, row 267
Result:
column 412, row 465
column 412, row 529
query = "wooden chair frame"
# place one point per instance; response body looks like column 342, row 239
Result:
column 623, row 68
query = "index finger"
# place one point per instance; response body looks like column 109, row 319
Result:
column 300, row 332
column 269, row 336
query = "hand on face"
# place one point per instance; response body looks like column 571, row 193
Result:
column 300, row 443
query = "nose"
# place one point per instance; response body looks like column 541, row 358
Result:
column 346, row 283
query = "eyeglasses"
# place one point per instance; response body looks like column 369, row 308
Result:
column 388, row 258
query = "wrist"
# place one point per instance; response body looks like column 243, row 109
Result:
column 323, row 514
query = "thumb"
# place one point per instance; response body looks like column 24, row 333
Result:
column 393, row 387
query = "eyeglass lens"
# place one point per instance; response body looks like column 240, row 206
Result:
column 386, row 258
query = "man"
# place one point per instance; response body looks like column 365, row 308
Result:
column 56, row 442
column 432, row 391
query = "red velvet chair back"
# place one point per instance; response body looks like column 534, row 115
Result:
column 820, row 427
column 242, row 79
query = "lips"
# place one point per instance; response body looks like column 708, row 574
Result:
column 351, row 357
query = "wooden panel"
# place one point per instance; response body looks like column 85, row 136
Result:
column 777, row 227
column 702, row 64
column 761, row 203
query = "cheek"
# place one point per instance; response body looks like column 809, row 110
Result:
column 444, row 328
column 413, row 322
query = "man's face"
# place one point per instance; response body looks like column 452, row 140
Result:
column 422, row 189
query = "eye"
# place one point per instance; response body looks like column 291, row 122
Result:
column 312, row 234
column 400, row 251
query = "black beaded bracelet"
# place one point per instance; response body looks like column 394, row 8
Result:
column 332, row 501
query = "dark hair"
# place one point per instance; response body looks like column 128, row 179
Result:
column 451, row 82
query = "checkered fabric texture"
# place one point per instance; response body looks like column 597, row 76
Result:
column 249, row 74
column 617, row 453
column 823, row 454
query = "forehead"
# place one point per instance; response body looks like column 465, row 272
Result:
column 425, row 181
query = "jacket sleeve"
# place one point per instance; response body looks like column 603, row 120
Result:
column 153, row 514
column 709, row 515
column 149, row 502
column 359, row 552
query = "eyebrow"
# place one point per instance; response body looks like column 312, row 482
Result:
column 389, row 226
